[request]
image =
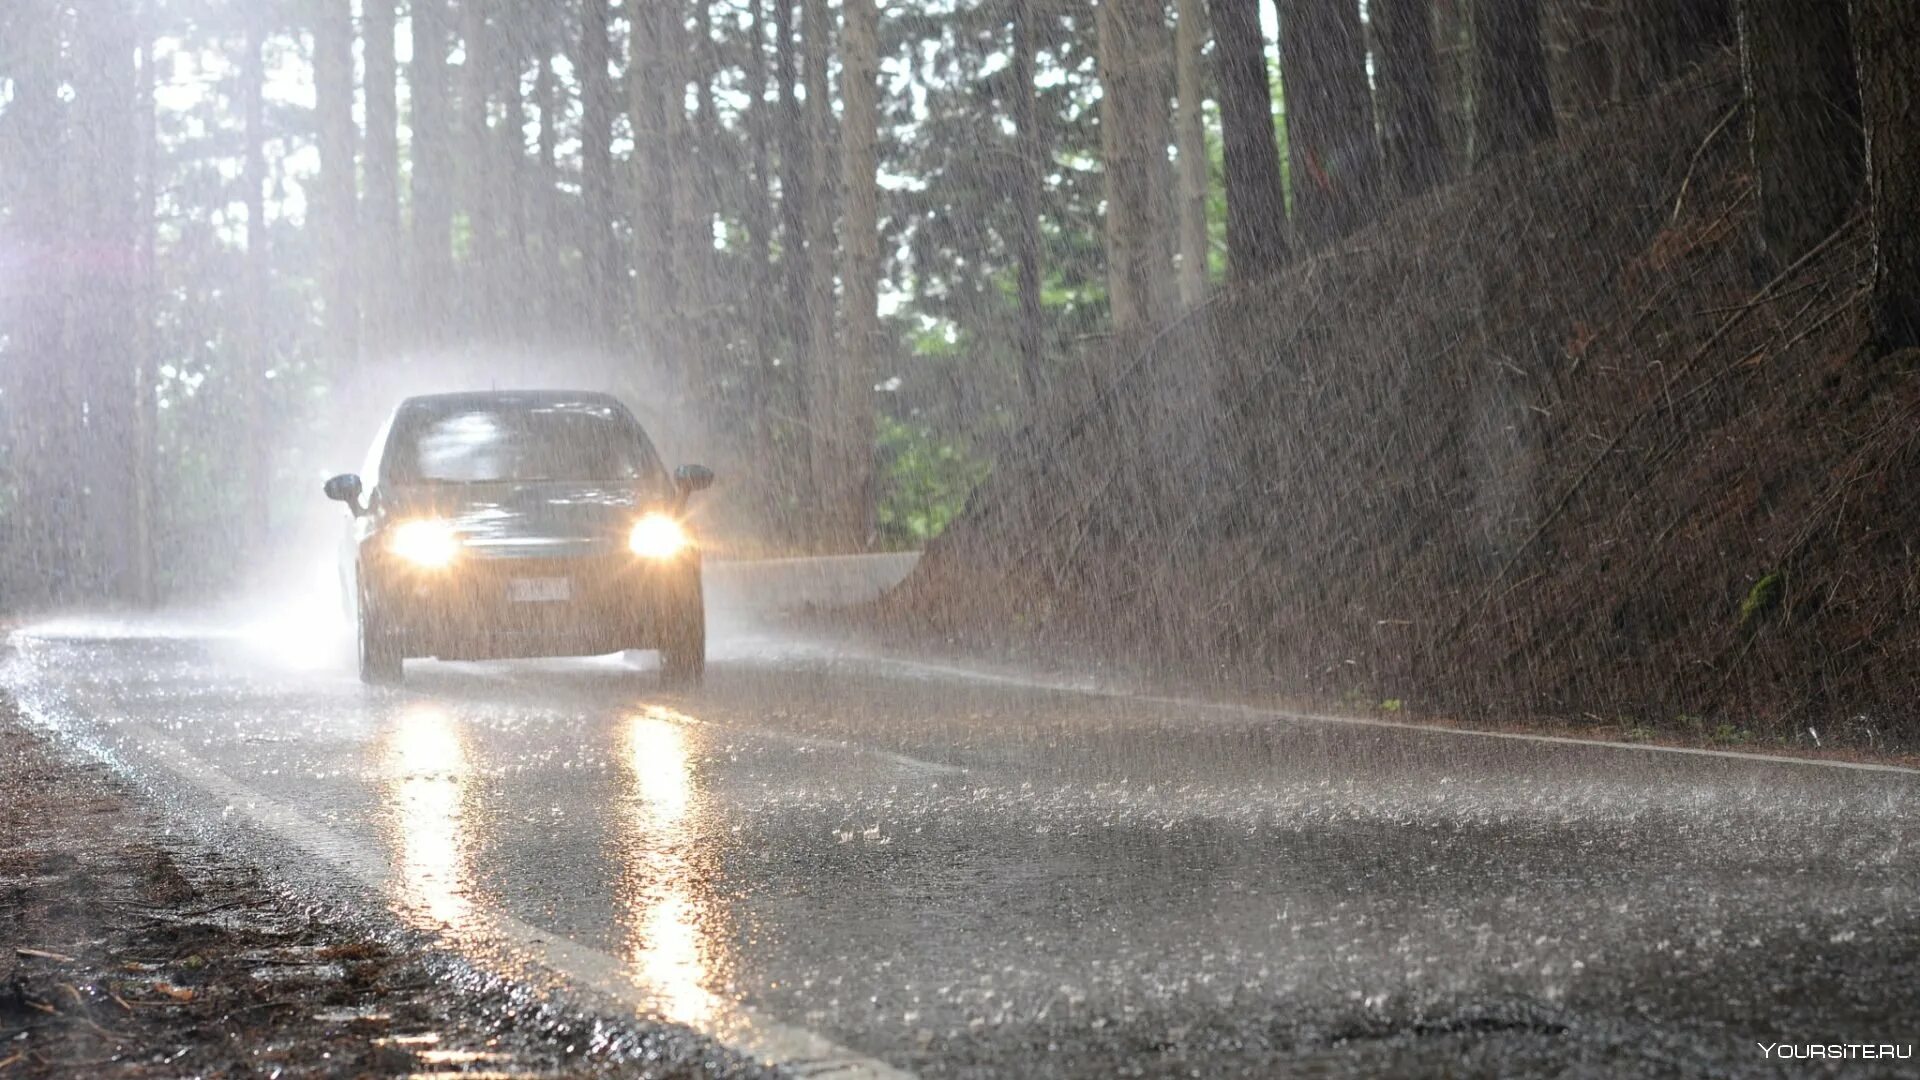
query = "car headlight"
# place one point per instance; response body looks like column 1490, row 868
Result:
column 657, row 536
column 428, row 543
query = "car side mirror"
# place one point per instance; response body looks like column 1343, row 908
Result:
column 692, row 478
column 346, row 488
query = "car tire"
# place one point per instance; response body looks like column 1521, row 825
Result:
column 382, row 663
column 683, row 655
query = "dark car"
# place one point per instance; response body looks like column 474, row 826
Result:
column 519, row 524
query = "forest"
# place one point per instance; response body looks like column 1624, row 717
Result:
column 886, row 264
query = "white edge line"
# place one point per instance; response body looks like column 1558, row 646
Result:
column 779, row 1045
column 1260, row 712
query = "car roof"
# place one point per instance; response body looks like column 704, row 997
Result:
column 469, row 399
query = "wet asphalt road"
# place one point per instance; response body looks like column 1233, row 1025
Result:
column 845, row 862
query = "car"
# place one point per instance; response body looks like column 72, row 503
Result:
column 509, row 524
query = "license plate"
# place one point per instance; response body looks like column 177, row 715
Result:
column 539, row 590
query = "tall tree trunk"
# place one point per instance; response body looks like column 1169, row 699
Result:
column 380, row 280
column 478, row 308
column 430, row 134
column 1512, row 108
column 1331, row 142
column 1133, row 108
column 606, row 290
column 1803, row 110
column 793, row 178
column 258, row 348
column 1190, row 137
column 843, row 474
column 336, row 207
column 1029, row 145
column 819, row 362
column 146, row 419
column 1887, row 33
column 514, row 261
column 41, row 400
column 1409, row 73
column 102, row 332
column 1256, row 195
column 656, row 95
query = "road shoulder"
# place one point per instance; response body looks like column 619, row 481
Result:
column 130, row 950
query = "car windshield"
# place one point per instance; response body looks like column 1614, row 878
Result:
column 580, row 442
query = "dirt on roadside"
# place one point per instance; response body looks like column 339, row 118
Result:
column 129, row 952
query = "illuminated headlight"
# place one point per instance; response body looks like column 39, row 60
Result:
column 657, row 536
column 426, row 543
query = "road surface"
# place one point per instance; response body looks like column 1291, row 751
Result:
column 857, row 866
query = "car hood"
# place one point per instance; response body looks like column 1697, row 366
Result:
column 530, row 520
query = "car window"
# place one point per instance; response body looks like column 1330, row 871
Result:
column 488, row 444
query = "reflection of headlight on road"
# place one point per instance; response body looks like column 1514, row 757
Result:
column 426, row 543
column 657, row 536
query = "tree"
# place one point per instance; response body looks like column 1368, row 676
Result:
column 101, row 332
column 1330, row 129
column 1256, row 197
column 432, row 160
column 843, row 464
column 1030, row 148
column 254, row 362
column 1190, row 137
column 817, row 313
column 335, row 204
column 1133, row 108
column 480, row 310
column 1803, row 115
column 380, row 204
column 1512, row 108
column 1888, row 40
column 43, row 437
column 1412, row 145
column 598, row 248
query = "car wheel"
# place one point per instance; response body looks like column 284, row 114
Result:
column 381, row 661
column 683, row 656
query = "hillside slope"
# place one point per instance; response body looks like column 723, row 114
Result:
column 1545, row 443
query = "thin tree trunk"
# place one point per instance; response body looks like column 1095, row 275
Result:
column 1029, row 334
column 336, row 209
column 1803, row 112
column 432, row 179
column 514, row 263
column 656, row 95
column 1133, row 107
column 1409, row 73
column 1190, row 136
column 793, row 179
column 256, row 492
column 41, row 401
column 1512, row 106
column 605, row 289
column 1330, row 131
column 819, row 365
column 844, row 475
column 380, row 281
column 478, row 310
column 1256, row 195
column 102, row 334
column 146, row 344
column 1887, row 35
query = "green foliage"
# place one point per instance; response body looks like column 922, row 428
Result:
column 1763, row 597
column 926, row 481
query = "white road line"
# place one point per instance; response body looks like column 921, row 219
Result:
column 741, row 1030
column 1256, row 712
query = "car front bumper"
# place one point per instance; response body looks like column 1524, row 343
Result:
column 500, row 608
